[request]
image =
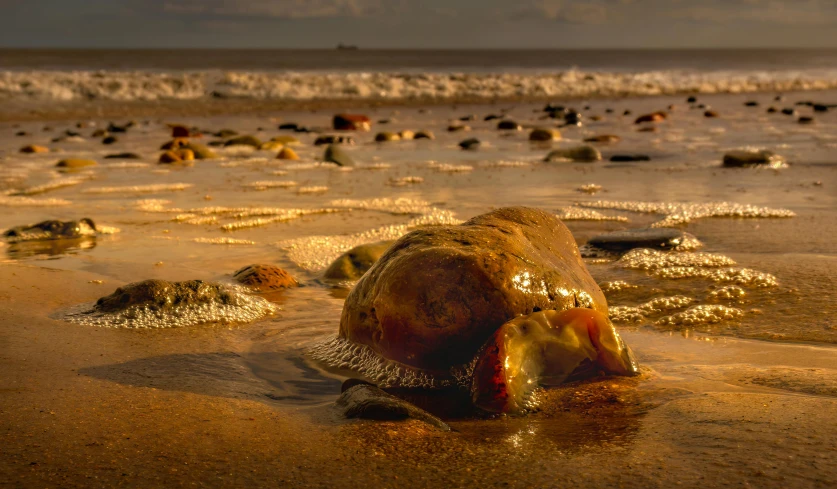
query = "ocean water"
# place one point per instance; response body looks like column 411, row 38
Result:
column 43, row 77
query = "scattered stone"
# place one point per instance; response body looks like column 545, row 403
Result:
column 657, row 238
column 178, row 131
column 287, row 153
column 34, row 148
column 123, row 128
column 458, row 128
column 200, row 151
column 366, row 401
column 647, row 129
column 744, row 158
column 627, row 158
column 751, row 103
column 544, row 134
column 271, row 146
column 331, row 139
column 288, row 126
column 225, row 133
column 470, row 144
column 72, row 163
column 434, row 299
column 99, row 133
column 337, row 155
column 653, row 117
column 351, row 122
column 772, row 110
column 585, row 154
column 509, row 126
column 468, row 118
column 123, row 156
column 603, row 138
column 110, row 140
column 820, row 108
column 692, row 99
column 382, row 137
column 352, row 264
column 492, row 117
column 789, row 111
column 177, row 156
column 711, row 114
column 407, row 135
column 265, row 278
column 805, row 120
column 244, row 141
column 424, row 135
column 22, row 134
column 174, row 144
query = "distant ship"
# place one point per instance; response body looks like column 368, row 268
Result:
column 346, row 47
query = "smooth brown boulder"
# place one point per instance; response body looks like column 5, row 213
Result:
column 352, row 264
column 265, row 278
column 438, row 294
column 287, row 153
column 544, row 134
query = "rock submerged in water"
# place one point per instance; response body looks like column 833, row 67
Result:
column 470, row 144
column 438, row 294
column 583, row 154
column 352, row 264
column 546, row 348
column 652, row 117
column 544, row 134
column 265, row 278
column 362, row 400
column 745, row 158
column 657, row 238
column 251, row 141
column 625, row 158
column 161, row 295
column 53, row 230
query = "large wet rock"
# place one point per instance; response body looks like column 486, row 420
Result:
column 265, row 278
column 366, row 401
column 658, row 238
column 161, row 295
column 544, row 134
column 337, row 155
column 438, row 294
column 744, row 158
column 354, row 263
column 582, row 154
column 53, row 230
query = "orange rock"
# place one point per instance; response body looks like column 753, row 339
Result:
column 175, row 143
column 351, row 122
column 264, row 278
column 34, row 148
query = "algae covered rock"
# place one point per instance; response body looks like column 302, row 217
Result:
column 744, row 158
column 354, row 263
column 362, row 400
column 337, row 155
column 53, row 229
column 163, row 295
column 438, row 294
column 251, row 141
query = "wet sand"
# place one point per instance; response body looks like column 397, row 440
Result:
column 224, row 405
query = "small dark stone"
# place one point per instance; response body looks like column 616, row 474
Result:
column 805, row 120
column 820, row 108
column 627, row 158
column 225, row 133
column 123, row 128
column 123, row 156
column 772, row 110
column 789, row 111
column 492, row 117
column 627, row 112
column 470, row 144
column 22, row 134
column 509, row 126
column 332, row 139
column 110, row 140
column 711, row 114
column 54, row 229
column 367, row 401
column 467, row 118
column 751, row 103
column 289, row 126
column 658, row 238
column 745, row 158
column 691, row 99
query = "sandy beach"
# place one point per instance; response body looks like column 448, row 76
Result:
column 743, row 396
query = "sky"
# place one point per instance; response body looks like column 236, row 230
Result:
column 418, row 23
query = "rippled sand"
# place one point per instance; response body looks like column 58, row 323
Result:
column 736, row 338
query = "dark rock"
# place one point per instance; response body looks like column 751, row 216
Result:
column 34, row 148
column 458, row 128
column 110, row 140
column 337, row 155
column 354, row 263
column 789, row 111
column 711, row 114
column 492, row 117
column 772, row 110
column 265, row 278
column 821, row 108
column 160, row 295
column 22, row 134
column 424, row 135
column 99, row 133
column 331, row 139
column 603, row 138
column 509, row 126
column 805, row 120
column 225, row 133
column 751, row 103
column 653, row 117
column 53, row 230
column 544, row 134
column 468, row 118
column 438, row 294
column 627, row 112
column 744, row 158
column 288, row 126
column 387, row 136
column 470, row 144
column 658, row 238
column 123, row 128
column 367, row 401
column 691, row 99
column 584, row 154
column 123, row 156
column 627, row 158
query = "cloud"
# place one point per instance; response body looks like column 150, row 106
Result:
column 568, row 12
column 802, row 12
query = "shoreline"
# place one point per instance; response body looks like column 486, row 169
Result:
column 269, row 107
